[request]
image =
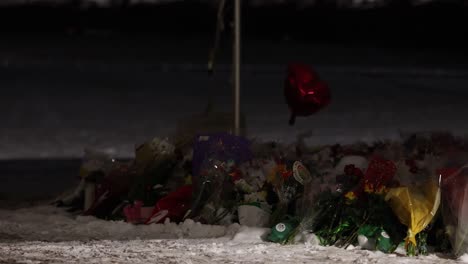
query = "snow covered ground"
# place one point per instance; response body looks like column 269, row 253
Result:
column 190, row 251
column 45, row 234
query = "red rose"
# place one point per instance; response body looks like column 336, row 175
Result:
column 380, row 172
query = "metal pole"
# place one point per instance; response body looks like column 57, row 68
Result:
column 237, row 62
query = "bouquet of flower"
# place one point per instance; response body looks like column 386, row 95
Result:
column 287, row 190
column 357, row 208
column 455, row 207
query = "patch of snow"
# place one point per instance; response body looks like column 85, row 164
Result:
column 48, row 234
column 47, row 223
column 251, row 234
column 463, row 258
column 190, row 251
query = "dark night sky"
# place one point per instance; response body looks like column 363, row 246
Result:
column 398, row 24
column 399, row 28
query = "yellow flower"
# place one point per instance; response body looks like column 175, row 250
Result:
column 188, row 179
column 377, row 189
column 368, row 187
column 350, row 196
column 381, row 190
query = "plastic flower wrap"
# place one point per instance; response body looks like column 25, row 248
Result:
column 173, row 206
column 95, row 165
column 213, row 189
column 455, row 207
column 305, row 212
column 251, row 187
column 312, row 187
column 253, row 209
column 110, row 191
column 216, row 166
column 355, row 200
column 415, row 207
column 152, row 153
column 137, row 214
column 253, row 175
column 286, row 188
column 320, row 192
column 154, row 164
column 417, row 169
column 221, row 146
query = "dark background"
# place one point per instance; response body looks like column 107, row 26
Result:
column 432, row 34
column 396, row 24
column 110, row 78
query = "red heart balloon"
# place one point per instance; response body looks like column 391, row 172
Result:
column 304, row 91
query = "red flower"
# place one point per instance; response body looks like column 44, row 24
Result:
column 286, row 174
column 379, row 173
column 350, row 169
column 236, row 174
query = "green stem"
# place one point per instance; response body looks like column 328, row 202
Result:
column 354, row 234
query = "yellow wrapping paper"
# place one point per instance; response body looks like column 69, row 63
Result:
column 415, row 206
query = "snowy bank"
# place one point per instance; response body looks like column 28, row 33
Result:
column 47, row 223
column 45, row 234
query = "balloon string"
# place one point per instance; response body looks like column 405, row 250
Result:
column 219, row 30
